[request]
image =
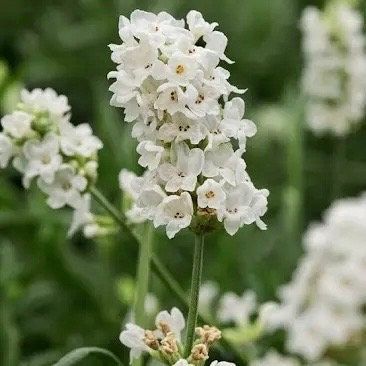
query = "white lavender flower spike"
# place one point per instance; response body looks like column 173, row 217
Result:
column 334, row 79
column 323, row 305
column 171, row 87
column 42, row 144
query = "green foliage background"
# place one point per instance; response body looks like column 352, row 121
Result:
column 58, row 294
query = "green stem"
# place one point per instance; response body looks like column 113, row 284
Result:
column 293, row 194
column 142, row 280
column 143, row 275
column 195, row 290
column 116, row 214
column 168, row 280
column 339, row 154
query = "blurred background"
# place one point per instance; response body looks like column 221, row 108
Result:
column 57, row 294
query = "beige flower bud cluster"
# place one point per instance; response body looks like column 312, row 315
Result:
column 164, row 342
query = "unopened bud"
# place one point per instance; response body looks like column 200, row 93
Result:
column 150, row 340
column 169, row 344
column 199, row 352
column 208, row 335
column 206, row 211
column 91, row 169
column 164, row 327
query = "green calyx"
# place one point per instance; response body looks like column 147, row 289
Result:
column 205, row 221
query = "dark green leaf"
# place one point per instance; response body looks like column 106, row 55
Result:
column 73, row 357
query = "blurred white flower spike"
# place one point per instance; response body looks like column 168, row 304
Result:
column 191, row 134
column 323, row 306
column 272, row 358
column 42, row 144
column 334, row 77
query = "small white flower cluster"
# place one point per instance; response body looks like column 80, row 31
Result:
column 237, row 309
column 334, row 79
column 209, row 291
column 151, row 307
column 42, row 144
column 170, row 85
column 323, row 305
column 232, row 308
column 272, row 358
column 165, row 342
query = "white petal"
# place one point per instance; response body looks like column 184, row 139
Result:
column 232, row 225
column 195, row 161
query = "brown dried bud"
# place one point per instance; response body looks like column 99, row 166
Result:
column 164, row 327
column 169, row 344
column 206, row 211
column 208, row 335
column 150, row 340
column 199, row 352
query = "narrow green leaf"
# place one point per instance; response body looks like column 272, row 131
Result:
column 79, row 354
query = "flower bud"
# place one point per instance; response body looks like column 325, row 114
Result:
column 208, row 335
column 199, row 353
